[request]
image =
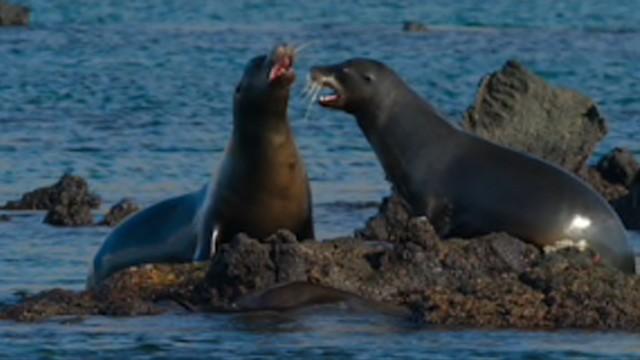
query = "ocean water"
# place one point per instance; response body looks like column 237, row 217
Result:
column 136, row 96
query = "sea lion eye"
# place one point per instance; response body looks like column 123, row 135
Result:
column 368, row 77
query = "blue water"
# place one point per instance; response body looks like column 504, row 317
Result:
column 136, row 97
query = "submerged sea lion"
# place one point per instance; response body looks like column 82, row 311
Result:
column 299, row 295
column 261, row 186
column 465, row 185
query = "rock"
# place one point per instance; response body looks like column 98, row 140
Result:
column 392, row 214
column 146, row 290
column 4, row 218
column 414, row 26
column 617, row 177
column 609, row 191
column 68, row 202
column 489, row 281
column 618, row 167
column 518, row 109
column 628, row 206
column 14, row 15
column 120, row 211
column 46, row 198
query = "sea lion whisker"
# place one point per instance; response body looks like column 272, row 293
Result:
column 301, row 47
column 307, row 86
column 313, row 95
column 311, row 89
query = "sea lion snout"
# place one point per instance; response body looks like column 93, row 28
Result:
column 323, row 78
column 283, row 59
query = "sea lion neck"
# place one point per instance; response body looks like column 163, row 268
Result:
column 267, row 114
column 395, row 128
column 404, row 115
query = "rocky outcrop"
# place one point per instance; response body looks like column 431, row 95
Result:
column 414, row 27
column 48, row 197
column 618, row 167
column 490, row 281
column 518, row 109
column 120, row 211
column 68, row 202
column 14, row 15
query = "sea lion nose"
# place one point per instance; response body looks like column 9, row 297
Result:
column 319, row 72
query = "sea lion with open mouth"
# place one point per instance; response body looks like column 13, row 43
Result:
column 261, row 186
column 465, row 185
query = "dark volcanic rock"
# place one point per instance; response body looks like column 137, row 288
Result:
column 520, row 110
column 414, row 26
column 392, row 215
column 119, row 212
column 46, row 198
column 618, row 167
column 628, row 206
column 609, row 190
column 617, row 177
column 13, row 15
column 147, row 290
column 494, row 280
column 68, row 202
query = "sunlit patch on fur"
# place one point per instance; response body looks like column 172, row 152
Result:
column 580, row 245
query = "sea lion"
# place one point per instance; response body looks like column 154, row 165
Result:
column 465, row 185
column 261, row 187
column 299, row 295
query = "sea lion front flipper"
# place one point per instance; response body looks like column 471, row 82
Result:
column 206, row 249
column 308, row 231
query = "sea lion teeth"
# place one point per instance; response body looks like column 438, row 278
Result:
column 328, row 98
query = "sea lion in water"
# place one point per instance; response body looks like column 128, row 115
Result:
column 298, row 295
column 466, row 185
column 261, row 187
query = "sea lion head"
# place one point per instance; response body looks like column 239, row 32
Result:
column 267, row 80
column 354, row 84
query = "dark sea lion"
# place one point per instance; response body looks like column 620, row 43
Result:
column 298, row 295
column 261, row 187
column 466, row 185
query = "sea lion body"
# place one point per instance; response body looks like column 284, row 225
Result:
column 466, row 185
column 261, row 187
column 300, row 295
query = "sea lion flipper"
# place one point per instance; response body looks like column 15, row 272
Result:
column 206, row 249
column 308, row 230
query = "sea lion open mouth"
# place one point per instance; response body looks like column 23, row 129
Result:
column 283, row 58
column 329, row 89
